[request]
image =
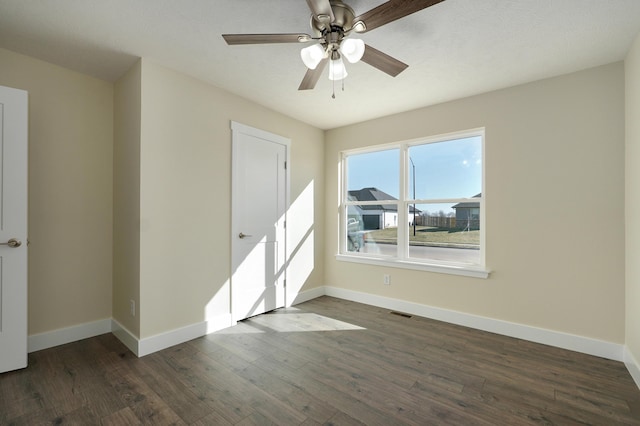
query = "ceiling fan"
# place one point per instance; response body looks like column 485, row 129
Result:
column 332, row 22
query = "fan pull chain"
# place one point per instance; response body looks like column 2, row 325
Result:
column 333, row 82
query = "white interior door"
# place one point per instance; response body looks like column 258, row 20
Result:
column 259, row 205
column 13, row 229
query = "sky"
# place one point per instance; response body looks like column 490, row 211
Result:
column 450, row 169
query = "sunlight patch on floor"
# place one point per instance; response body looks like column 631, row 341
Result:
column 288, row 320
column 297, row 322
column 240, row 328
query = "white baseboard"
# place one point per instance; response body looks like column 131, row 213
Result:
column 558, row 339
column 37, row 342
column 165, row 340
column 632, row 365
column 305, row 296
column 140, row 347
column 146, row 346
column 149, row 345
column 125, row 336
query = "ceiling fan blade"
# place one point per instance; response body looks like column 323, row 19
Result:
column 322, row 11
column 265, row 38
column 312, row 76
column 391, row 11
column 382, row 61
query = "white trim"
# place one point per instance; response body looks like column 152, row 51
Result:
column 632, row 365
column 258, row 133
column 170, row 338
column 218, row 322
column 49, row 339
column 558, row 339
column 444, row 137
column 305, row 296
column 161, row 341
column 125, row 336
column 140, row 347
column 466, row 271
column 149, row 345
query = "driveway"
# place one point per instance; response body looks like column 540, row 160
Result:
column 458, row 255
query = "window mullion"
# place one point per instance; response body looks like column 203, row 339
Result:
column 403, row 233
column 343, row 206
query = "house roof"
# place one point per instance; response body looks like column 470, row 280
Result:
column 370, row 194
column 374, row 194
column 468, row 205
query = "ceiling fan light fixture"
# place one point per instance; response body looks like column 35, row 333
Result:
column 337, row 70
column 352, row 49
column 312, row 55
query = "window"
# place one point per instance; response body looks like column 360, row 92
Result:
column 416, row 204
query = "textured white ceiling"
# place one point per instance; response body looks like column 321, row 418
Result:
column 454, row 49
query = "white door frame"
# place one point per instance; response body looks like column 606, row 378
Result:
column 271, row 137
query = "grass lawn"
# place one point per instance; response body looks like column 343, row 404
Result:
column 428, row 235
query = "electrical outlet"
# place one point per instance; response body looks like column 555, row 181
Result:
column 132, row 307
column 387, row 279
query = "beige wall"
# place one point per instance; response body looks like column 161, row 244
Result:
column 185, row 196
column 126, row 199
column 70, row 187
column 554, row 190
column 164, row 188
column 132, row 181
column 632, row 198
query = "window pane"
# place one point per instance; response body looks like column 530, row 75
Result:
column 446, row 232
column 372, row 229
column 449, row 169
column 374, row 175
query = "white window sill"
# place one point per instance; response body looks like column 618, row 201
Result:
column 464, row 270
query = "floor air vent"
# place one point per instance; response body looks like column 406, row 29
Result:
column 401, row 314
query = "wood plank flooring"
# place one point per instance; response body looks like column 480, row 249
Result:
column 327, row 361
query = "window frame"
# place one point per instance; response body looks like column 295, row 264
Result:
column 402, row 259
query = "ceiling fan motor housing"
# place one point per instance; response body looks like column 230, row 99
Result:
column 344, row 16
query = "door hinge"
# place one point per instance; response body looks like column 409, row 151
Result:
column 285, row 165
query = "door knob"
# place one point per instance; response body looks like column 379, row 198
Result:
column 241, row 235
column 13, row 243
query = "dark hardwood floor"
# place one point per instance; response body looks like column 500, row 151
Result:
column 327, row 361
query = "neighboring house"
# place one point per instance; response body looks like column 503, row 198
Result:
column 376, row 216
column 468, row 214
